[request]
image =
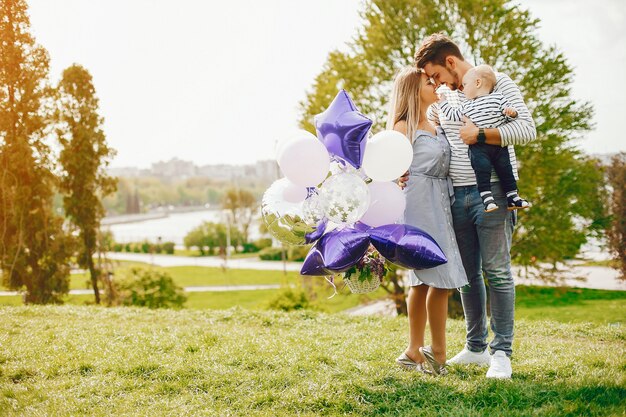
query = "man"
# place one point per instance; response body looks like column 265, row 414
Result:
column 484, row 239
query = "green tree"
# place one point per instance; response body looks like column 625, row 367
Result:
column 210, row 236
column 616, row 231
column 84, row 157
column 242, row 205
column 34, row 249
column 557, row 177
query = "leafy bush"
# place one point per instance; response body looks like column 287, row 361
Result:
column 271, row 254
column 149, row 288
column 146, row 247
column 263, row 243
column 249, row 248
column 168, row 247
column 297, row 253
column 210, row 236
column 289, row 299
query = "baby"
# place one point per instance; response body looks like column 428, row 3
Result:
column 487, row 110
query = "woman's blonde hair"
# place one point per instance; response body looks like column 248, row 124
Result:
column 405, row 100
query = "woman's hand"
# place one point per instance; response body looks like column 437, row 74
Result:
column 403, row 180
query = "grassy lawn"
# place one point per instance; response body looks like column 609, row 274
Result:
column 189, row 276
column 571, row 305
column 566, row 305
column 72, row 360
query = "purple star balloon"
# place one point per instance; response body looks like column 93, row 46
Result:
column 343, row 129
column 335, row 252
column 407, row 246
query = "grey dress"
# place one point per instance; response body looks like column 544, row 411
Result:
column 429, row 194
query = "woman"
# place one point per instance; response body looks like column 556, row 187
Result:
column 428, row 197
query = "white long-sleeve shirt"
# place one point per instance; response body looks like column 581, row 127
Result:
column 517, row 132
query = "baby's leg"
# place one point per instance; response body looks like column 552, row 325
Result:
column 481, row 163
column 502, row 165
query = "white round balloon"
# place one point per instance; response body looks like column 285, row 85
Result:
column 294, row 193
column 291, row 135
column 346, row 198
column 387, row 204
column 388, row 154
column 304, row 160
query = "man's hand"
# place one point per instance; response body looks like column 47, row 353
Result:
column 511, row 112
column 468, row 132
column 403, row 180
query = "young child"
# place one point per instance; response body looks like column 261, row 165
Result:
column 487, row 110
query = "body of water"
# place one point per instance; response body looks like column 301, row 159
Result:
column 172, row 228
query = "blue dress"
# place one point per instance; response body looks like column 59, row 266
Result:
column 429, row 194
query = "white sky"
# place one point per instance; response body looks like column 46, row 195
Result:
column 219, row 82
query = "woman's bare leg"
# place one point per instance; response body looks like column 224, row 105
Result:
column 416, row 306
column 437, row 308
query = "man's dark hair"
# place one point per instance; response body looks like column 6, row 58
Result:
column 435, row 49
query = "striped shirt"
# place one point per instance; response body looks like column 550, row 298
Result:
column 485, row 111
column 520, row 131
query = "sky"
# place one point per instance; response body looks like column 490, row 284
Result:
column 220, row 82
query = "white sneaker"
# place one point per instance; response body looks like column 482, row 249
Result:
column 466, row 357
column 500, row 366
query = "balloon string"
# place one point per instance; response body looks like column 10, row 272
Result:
column 331, row 281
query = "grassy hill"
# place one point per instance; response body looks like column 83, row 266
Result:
column 74, row 360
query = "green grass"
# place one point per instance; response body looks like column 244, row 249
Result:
column 189, row 276
column 196, row 253
column 566, row 305
column 121, row 361
column 571, row 305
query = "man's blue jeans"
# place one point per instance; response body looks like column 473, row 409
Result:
column 484, row 241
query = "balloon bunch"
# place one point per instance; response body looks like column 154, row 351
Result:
column 337, row 192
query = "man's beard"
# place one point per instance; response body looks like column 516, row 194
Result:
column 455, row 84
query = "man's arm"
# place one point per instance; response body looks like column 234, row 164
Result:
column 517, row 132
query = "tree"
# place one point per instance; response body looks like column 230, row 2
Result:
column 209, row 236
column 84, row 157
column 242, row 205
column 617, row 229
column 558, row 178
column 34, row 249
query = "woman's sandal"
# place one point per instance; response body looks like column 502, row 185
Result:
column 410, row 365
column 433, row 366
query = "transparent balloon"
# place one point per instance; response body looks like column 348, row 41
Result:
column 285, row 220
column 314, row 206
column 346, row 198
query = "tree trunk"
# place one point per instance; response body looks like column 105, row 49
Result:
column 398, row 296
column 94, row 278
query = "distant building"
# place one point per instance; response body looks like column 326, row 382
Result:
column 174, row 168
column 265, row 171
column 128, row 172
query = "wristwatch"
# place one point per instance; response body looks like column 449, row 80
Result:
column 481, row 136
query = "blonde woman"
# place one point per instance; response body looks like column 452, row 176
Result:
column 428, row 198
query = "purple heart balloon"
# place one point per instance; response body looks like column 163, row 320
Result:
column 407, row 246
column 335, row 252
column 343, row 129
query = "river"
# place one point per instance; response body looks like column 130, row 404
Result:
column 172, row 228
